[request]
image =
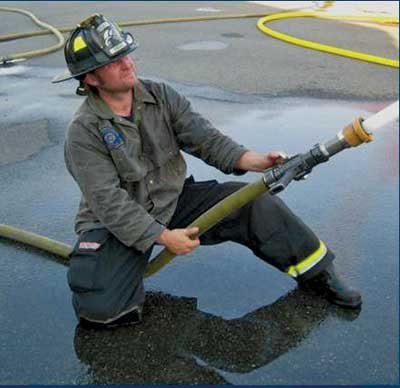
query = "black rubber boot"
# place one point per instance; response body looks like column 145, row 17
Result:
column 328, row 284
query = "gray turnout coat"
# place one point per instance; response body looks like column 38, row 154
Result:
column 131, row 173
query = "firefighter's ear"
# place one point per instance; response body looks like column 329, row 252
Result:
column 91, row 79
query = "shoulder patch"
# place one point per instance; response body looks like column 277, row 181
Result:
column 112, row 138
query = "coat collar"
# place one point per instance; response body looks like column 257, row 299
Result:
column 101, row 109
column 141, row 94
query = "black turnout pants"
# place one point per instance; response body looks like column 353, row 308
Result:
column 108, row 282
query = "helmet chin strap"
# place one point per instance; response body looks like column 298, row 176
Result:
column 81, row 90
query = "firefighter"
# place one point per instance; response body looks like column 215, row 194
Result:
column 123, row 148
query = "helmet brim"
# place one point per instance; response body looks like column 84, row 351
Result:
column 67, row 74
column 62, row 77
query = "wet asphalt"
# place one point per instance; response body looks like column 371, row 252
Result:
column 219, row 315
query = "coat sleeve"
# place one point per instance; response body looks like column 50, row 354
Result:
column 91, row 166
column 198, row 137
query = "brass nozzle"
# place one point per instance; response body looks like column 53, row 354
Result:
column 354, row 134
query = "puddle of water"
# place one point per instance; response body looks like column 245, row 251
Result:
column 235, row 299
column 204, row 45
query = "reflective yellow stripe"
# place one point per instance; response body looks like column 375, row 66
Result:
column 308, row 262
column 79, row 44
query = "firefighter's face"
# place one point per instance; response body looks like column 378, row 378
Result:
column 115, row 77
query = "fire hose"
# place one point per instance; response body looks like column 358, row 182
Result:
column 274, row 180
column 48, row 29
column 261, row 24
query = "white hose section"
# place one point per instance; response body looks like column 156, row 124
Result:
column 382, row 118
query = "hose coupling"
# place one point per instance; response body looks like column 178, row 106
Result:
column 9, row 61
column 354, row 134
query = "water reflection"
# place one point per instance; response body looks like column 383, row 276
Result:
column 177, row 343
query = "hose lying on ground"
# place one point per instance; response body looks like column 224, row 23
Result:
column 34, row 53
column 323, row 47
column 34, row 240
column 260, row 24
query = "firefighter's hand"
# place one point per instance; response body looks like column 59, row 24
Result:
column 178, row 241
column 254, row 161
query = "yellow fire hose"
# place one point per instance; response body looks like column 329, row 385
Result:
column 323, row 47
column 260, row 24
column 235, row 200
